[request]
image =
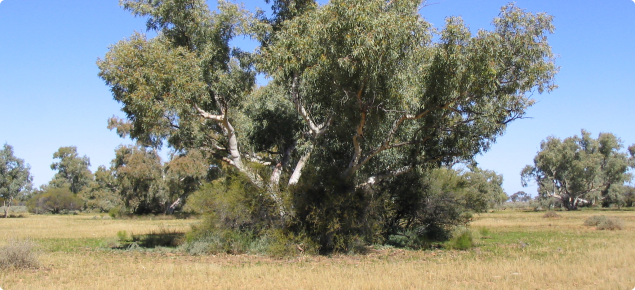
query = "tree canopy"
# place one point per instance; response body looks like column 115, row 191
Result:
column 72, row 170
column 581, row 170
column 15, row 177
column 361, row 92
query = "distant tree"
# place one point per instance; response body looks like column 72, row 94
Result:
column 580, row 170
column 15, row 177
column 138, row 174
column 629, row 196
column 54, row 200
column 486, row 186
column 184, row 174
column 102, row 193
column 520, row 196
column 72, row 170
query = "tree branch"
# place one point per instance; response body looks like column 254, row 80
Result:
column 207, row 115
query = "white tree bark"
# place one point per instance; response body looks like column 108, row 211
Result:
column 297, row 172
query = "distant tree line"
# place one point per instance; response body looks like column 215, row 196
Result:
column 137, row 182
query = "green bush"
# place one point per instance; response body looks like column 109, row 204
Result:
column 462, row 239
column 55, row 200
column 414, row 210
column 484, row 232
column 18, row 254
column 118, row 212
column 238, row 217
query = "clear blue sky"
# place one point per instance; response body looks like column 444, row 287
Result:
column 50, row 95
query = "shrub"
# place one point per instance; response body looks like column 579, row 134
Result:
column 123, row 237
column 551, row 214
column 595, row 220
column 603, row 223
column 18, row 254
column 484, row 232
column 118, row 212
column 55, row 200
column 238, row 217
column 610, row 224
column 462, row 239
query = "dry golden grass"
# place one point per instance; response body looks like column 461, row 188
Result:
column 82, row 226
column 523, row 251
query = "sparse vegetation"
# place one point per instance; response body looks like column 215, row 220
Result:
column 551, row 215
column 602, row 222
column 18, row 254
column 522, row 251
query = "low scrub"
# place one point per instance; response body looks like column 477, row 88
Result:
column 551, row 215
column 601, row 222
column 462, row 239
column 18, row 254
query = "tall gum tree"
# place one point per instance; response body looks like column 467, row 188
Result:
column 359, row 88
column 72, row 170
column 15, row 177
column 580, row 170
column 378, row 96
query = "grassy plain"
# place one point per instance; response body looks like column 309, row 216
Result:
column 522, row 250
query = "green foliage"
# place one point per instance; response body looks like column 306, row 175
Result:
column 139, row 182
column 336, row 216
column 138, row 174
column 72, row 170
column 123, row 237
column 15, row 177
column 520, row 196
column 580, row 170
column 18, row 254
column 183, row 174
column 240, row 218
column 118, row 212
column 628, row 196
column 484, row 232
column 101, row 194
column 432, row 203
column 462, row 239
column 366, row 103
column 236, row 213
column 233, row 202
column 55, row 200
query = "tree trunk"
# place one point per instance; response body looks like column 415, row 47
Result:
column 173, row 206
column 297, row 172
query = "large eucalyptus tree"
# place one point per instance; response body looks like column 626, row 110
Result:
column 378, row 95
column 580, row 170
column 15, row 177
column 361, row 91
column 72, row 169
